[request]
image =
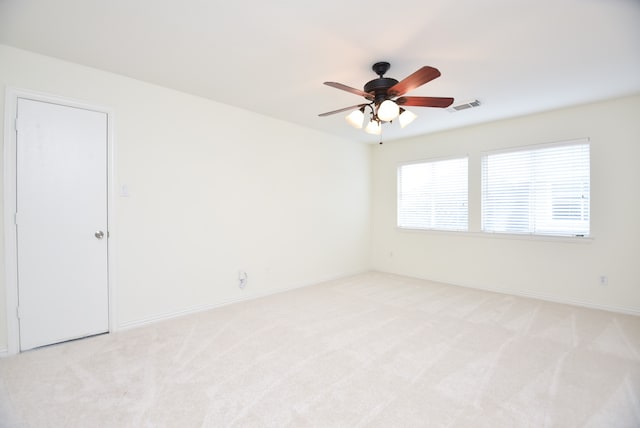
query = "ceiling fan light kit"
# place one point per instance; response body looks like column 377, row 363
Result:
column 406, row 117
column 388, row 110
column 374, row 127
column 385, row 98
column 356, row 118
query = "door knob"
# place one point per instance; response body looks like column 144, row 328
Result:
column 99, row 234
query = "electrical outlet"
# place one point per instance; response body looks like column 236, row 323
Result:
column 604, row 280
column 242, row 279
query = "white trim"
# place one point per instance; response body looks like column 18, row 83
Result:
column 564, row 301
column 4, row 352
column 559, row 143
column 9, row 201
column 201, row 308
column 9, row 204
column 399, row 192
column 429, row 160
column 499, row 235
column 535, row 295
column 538, row 219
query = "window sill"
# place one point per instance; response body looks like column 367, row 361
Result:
column 491, row 235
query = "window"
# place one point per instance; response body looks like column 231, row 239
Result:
column 433, row 195
column 542, row 191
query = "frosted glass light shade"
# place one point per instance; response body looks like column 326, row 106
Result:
column 388, row 110
column 406, row 117
column 374, row 127
column 356, row 118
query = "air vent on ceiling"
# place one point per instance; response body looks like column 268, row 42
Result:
column 464, row 105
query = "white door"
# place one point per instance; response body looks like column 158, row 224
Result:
column 61, row 223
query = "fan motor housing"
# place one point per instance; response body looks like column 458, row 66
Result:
column 379, row 87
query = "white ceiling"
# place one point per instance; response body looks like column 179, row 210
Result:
column 271, row 57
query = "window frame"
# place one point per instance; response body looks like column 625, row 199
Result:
column 567, row 234
column 399, row 193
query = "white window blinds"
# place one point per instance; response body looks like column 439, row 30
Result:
column 433, row 195
column 543, row 191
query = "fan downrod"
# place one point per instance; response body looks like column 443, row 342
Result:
column 380, row 86
column 380, row 68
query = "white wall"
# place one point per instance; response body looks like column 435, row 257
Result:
column 211, row 195
column 562, row 270
column 213, row 189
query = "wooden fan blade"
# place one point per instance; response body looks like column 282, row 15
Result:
column 350, row 89
column 341, row 110
column 425, row 101
column 418, row 78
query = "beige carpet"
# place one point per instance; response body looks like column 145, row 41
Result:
column 370, row 350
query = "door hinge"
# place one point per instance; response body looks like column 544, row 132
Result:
column 18, row 312
column 15, row 124
column 15, row 218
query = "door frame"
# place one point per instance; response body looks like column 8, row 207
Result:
column 9, row 206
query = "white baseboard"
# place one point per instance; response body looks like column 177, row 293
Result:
column 4, row 352
column 590, row 305
column 539, row 296
column 201, row 308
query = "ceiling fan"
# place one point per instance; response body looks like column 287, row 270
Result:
column 385, row 98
